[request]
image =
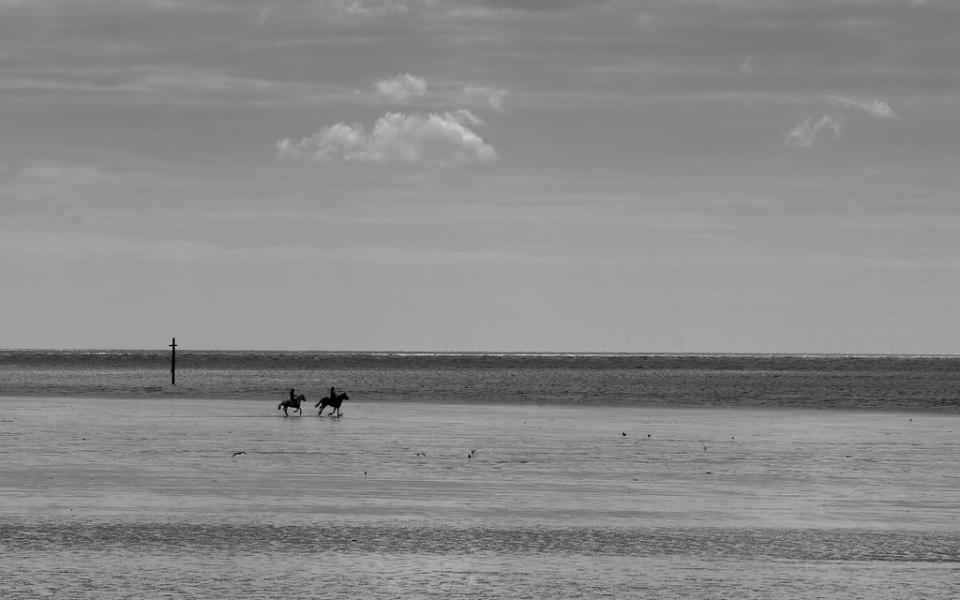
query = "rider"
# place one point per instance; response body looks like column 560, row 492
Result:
column 333, row 393
column 292, row 396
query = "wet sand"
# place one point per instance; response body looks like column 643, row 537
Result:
column 110, row 498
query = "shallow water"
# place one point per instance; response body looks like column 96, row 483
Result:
column 110, row 498
column 905, row 383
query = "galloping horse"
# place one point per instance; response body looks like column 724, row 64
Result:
column 332, row 402
column 293, row 402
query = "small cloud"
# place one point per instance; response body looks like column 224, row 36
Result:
column 484, row 96
column 408, row 90
column 401, row 88
column 536, row 5
column 876, row 108
column 747, row 65
column 805, row 134
column 365, row 8
column 335, row 11
column 396, row 138
column 466, row 117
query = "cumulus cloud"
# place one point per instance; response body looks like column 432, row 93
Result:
column 397, row 138
column 466, row 117
column 402, row 88
column 875, row 107
column 409, row 90
column 805, row 134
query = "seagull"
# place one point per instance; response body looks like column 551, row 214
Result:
column 238, row 453
column 705, row 447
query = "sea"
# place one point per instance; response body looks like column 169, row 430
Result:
column 478, row 475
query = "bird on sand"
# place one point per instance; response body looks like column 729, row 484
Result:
column 238, row 453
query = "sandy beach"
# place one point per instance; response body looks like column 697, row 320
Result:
column 456, row 501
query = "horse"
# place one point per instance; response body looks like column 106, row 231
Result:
column 294, row 403
column 332, row 402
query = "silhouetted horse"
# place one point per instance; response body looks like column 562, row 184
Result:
column 334, row 403
column 294, row 403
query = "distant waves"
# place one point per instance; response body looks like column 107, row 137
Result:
column 903, row 383
column 252, row 359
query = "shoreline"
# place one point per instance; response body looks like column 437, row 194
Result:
column 639, row 405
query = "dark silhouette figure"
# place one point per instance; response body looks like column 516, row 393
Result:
column 293, row 402
column 333, row 402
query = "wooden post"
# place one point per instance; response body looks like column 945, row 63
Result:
column 173, row 362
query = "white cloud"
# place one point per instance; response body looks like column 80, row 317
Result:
column 465, row 117
column 875, row 107
column 396, row 138
column 408, row 90
column 484, row 96
column 805, row 134
column 362, row 8
column 402, row 88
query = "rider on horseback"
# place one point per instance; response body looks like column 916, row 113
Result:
column 333, row 400
column 293, row 402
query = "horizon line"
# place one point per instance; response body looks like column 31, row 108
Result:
column 557, row 353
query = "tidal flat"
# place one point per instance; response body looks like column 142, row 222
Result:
column 133, row 498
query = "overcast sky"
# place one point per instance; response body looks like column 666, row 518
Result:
column 567, row 175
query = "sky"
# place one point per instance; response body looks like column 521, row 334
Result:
column 481, row 175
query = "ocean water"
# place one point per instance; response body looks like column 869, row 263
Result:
column 114, row 484
column 923, row 383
